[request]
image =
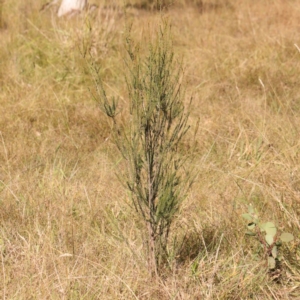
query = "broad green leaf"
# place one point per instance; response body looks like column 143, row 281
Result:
column 286, row 237
column 270, row 229
column 271, row 262
column 251, row 226
column 269, row 239
column 274, row 252
column 247, row 217
column 251, row 209
column 250, row 233
column 262, row 226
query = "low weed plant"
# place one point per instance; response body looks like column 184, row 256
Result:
column 268, row 235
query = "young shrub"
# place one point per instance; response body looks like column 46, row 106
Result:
column 156, row 175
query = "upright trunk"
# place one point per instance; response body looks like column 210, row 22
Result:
column 151, row 256
column 151, row 231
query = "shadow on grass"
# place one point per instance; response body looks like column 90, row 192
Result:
column 194, row 244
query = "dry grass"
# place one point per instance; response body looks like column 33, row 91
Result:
column 66, row 228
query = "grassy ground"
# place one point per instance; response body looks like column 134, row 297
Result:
column 66, row 227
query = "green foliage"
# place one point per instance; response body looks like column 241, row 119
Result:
column 156, row 175
column 268, row 236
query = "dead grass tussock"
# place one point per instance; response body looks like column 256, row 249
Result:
column 66, row 228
